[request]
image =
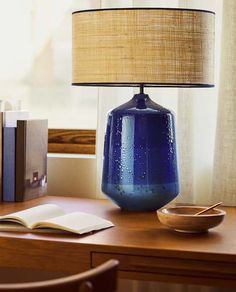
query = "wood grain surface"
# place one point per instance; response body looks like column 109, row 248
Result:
column 71, row 141
column 146, row 249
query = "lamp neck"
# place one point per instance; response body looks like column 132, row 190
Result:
column 141, row 88
column 141, row 96
column 141, row 100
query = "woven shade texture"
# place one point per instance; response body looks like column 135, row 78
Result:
column 154, row 47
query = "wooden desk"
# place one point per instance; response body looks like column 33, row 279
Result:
column 146, row 249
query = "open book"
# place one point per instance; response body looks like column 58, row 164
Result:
column 53, row 217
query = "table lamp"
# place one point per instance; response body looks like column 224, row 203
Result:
column 144, row 47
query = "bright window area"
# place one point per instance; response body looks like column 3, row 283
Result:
column 36, row 63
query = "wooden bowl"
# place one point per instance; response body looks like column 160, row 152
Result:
column 182, row 219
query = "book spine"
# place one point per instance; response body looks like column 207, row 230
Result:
column 20, row 159
column 9, row 151
column 1, row 155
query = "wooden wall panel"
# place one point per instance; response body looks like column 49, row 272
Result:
column 71, row 141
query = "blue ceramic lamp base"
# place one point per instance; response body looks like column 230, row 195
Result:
column 140, row 170
column 141, row 197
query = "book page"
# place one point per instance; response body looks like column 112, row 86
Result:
column 30, row 216
column 77, row 222
column 14, row 227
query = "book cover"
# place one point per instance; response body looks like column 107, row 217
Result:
column 8, row 166
column 31, row 159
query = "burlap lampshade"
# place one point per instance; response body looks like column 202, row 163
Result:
column 150, row 46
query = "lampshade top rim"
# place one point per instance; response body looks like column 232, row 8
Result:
column 143, row 8
column 123, row 84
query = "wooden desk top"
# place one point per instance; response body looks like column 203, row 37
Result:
column 146, row 249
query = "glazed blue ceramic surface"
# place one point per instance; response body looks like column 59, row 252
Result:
column 140, row 170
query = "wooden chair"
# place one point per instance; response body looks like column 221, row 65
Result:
column 100, row 279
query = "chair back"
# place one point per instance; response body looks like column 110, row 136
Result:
column 100, row 279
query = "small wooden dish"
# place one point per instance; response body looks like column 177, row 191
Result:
column 182, row 219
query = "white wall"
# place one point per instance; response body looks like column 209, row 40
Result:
column 71, row 175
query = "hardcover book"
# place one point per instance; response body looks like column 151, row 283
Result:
column 50, row 217
column 8, row 152
column 31, row 159
column 9, row 166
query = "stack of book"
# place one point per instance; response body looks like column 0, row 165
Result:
column 23, row 155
